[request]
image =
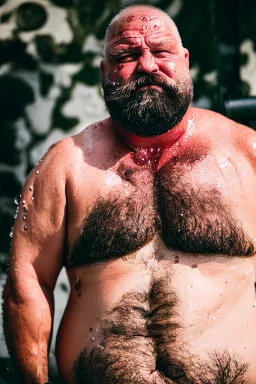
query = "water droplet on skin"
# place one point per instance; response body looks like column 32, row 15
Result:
column 144, row 18
column 77, row 284
column 176, row 261
column 181, row 214
column 23, row 202
column 194, row 266
column 155, row 27
column 220, row 293
column 95, row 126
column 92, row 338
column 24, row 218
column 172, row 66
column 144, row 155
column 11, row 233
column 30, row 188
column 254, row 305
column 130, row 18
column 101, row 123
column 37, row 172
column 25, row 228
column 32, row 198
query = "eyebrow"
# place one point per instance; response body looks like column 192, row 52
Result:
column 115, row 51
column 130, row 44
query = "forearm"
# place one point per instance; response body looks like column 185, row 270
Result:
column 27, row 327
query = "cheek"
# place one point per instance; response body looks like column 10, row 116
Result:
column 175, row 68
column 169, row 68
column 172, row 66
column 124, row 71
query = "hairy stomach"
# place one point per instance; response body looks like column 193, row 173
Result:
column 160, row 322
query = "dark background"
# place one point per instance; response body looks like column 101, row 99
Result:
column 40, row 74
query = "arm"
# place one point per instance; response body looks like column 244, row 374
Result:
column 35, row 262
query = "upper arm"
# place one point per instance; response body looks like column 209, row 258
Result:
column 38, row 241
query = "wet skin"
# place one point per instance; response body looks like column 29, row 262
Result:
column 211, row 294
column 216, row 294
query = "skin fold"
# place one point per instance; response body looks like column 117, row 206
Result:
column 152, row 212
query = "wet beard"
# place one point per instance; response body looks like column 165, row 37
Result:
column 149, row 112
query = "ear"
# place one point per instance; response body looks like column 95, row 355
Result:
column 102, row 67
column 186, row 56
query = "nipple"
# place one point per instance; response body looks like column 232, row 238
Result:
column 148, row 156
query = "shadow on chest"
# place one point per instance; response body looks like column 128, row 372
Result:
column 187, row 218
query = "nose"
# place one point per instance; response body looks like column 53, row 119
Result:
column 147, row 63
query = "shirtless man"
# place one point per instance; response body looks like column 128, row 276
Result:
column 153, row 213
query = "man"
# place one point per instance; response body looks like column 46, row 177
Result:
column 153, row 214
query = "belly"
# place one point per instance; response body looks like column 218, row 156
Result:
column 159, row 317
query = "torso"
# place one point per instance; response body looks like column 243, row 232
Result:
column 161, row 262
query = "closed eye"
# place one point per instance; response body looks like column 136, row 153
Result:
column 162, row 54
column 128, row 58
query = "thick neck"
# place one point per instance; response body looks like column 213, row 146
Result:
column 166, row 140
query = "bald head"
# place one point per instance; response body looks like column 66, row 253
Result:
column 141, row 13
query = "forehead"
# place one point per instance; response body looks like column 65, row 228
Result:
column 138, row 24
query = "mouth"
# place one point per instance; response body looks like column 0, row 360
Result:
column 150, row 86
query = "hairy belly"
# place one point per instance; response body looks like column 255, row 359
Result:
column 160, row 321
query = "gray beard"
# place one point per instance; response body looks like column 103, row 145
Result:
column 150, row 112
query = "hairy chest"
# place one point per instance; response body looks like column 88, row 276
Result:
column 189, row 212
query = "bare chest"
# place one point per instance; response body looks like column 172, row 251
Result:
column 194, row 206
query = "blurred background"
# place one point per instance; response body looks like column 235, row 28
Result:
column 50, row 86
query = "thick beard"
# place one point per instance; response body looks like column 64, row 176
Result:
column 149, row 112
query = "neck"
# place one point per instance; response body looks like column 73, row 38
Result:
column 165, row 140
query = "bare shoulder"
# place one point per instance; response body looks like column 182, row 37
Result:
column 73, row 150
column 246, row 137
column 216, row 120
column 220, row 127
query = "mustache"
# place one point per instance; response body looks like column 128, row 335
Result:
column 114, row 89
column 150, row 79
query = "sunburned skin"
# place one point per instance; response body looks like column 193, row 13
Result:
column 204, row 294
column 155, row 222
